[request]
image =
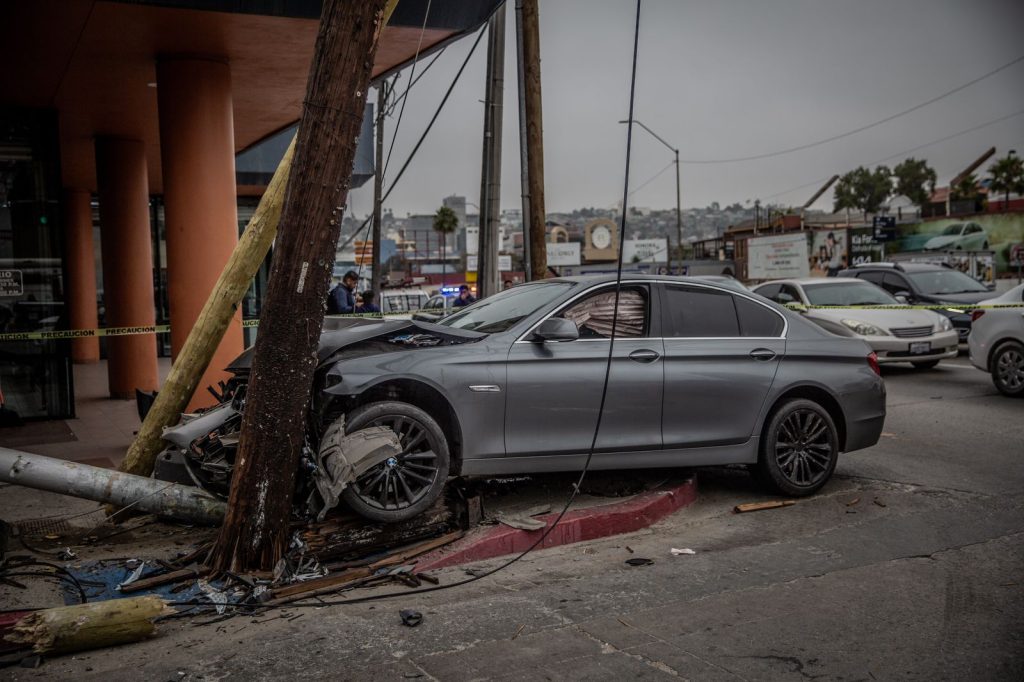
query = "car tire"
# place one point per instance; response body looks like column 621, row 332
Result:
column 1007, row 368
column 406, row 487
column 926, row 364
column 799, row 448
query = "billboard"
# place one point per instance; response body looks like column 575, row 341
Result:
column 645, row 251
column 828, row 253
column 563, row 253
column 778, row 256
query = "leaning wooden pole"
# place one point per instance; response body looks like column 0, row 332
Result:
column 213, row 321
column 534, row 139
column 255, row 531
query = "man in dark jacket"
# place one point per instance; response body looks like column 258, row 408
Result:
column 341, row 299
column 368, row 306
column 465, row 297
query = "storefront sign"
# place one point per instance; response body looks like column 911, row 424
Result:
column 645, row 251
column 563, row 253
column 504, row 263
column 11, row 283
column 778, row 256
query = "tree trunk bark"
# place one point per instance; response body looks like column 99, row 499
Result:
column 254, row 534
column 534, row 140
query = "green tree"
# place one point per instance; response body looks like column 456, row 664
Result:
column 915, row 179
column 1007, row 176
column 966, row 189
column 863, row 189
column 445, row 222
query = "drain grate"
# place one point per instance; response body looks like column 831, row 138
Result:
column 45, row 526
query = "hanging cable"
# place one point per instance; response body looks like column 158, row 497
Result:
column 861, row 129
column 412, row 73
column 651, row 179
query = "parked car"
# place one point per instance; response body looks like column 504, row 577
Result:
column 927, row 284
column 402, row 301
column 436, row 307
column 996, row 345
column 920, row 337
column 700, row 375
column 959, row 237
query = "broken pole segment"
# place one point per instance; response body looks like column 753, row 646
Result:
column 222, row 305
column 172, row 500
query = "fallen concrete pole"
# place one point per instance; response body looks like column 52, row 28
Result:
column 181, row 502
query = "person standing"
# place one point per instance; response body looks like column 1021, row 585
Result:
column 368, row 306
column 465, row 297
column 341, row 299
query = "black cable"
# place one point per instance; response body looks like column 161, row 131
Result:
column 861, row 129
column 597, row 426
column 412, row 72
column 419, row 143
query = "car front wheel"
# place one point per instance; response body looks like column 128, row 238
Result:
column 1008, row 369
column 799, row 449
column 409, row 483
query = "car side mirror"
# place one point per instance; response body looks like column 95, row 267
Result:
column 557, row 329
column 902, row 298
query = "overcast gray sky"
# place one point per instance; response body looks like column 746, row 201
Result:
column 720, row 80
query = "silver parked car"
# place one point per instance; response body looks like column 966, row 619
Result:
column 701, row 374
column 996, row 343
column 920, row 337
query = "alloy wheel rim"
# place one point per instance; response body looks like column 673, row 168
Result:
column 804, row 447
column 403, row 480
column 1010, row 369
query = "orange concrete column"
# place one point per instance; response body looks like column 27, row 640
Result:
column 197, row 150
column 127, row 252
column 79, row 256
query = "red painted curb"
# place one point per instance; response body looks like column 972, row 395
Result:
column 576, row 526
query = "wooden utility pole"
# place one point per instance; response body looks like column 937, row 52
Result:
column 255, row 531
column 205, row 337
column 376, row 269
column 534, row 139
column 490, row 177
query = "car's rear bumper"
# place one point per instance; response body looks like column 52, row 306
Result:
column 864, row 432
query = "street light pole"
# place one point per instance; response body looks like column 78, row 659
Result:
column 679, row 209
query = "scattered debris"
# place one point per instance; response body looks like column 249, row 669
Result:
column 853, row 502
column 639, row 561
column 89, row 626
column 519, row 631
column 139, row 567
column 879, row 502
column 680, row 552
column 524, row 520
column 219, row 598
column 758, row 506
column 629, row 549
column 66, row 554
column 411, row 618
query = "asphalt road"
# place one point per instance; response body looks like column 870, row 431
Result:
column 909, row 565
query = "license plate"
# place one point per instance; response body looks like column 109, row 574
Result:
column 920, row 348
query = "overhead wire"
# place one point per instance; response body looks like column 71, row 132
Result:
column 859, row 129
column 412, row 73
column 897, row 155
column 651, row 179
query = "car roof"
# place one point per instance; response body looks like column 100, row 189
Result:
column 813, row 280
column 605, row 278
column 904, row 267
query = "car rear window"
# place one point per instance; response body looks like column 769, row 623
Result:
column 695, row 313
column 757, row 320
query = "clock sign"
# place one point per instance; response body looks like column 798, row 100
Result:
column 601, row 242
column 601, row 237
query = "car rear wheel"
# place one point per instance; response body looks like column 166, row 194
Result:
column 1008, row 369
column 799, row 449
column 926, row 364
column 408, row 484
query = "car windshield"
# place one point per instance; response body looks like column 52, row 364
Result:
column 953, row 229
column 499, row 312
column 945, row 282
column 853, row 293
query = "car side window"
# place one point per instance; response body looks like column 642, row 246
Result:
column 769, row 291
column 894, row 283
column 789, row 294
column 697, row 312
column 757, row 320
column 594, row 314
column 871, row 276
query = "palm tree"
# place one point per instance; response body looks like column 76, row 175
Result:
column 1007, row 176
column 445, row 222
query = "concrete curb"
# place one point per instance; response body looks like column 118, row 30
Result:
column 633, row 514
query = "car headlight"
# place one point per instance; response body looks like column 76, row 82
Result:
column 944, row 324
column 864, row 329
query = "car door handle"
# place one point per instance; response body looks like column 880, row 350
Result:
column 762, row 354
column 644, row 356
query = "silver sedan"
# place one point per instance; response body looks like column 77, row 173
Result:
column 996, row 342
column 900, row 334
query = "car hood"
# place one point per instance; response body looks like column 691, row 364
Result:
column 972, row 297
column 886, row 319
column 939, row 242
column 339, row 333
